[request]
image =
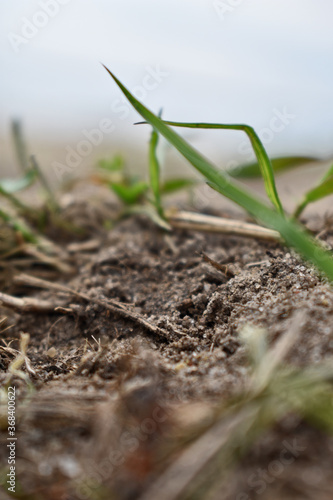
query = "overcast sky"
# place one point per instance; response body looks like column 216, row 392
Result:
column 267, row 63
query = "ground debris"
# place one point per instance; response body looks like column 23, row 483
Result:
column 133, row 358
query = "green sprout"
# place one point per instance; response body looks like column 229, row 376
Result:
column 137, row 195
column 322, row 189
column 293, row 233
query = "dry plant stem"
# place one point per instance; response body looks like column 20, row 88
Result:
column 180, row 474
column 85, row 246
column 210, row 223
column 45, row 184
column 20, row 146
column 50, row 411
column 26, row 304
column 277, row 354
column 55, row 262
column 174, row 482
column 47, row 246
column 111, row 305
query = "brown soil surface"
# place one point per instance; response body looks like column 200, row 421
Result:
column 109, row 398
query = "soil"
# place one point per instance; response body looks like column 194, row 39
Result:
column 99, row 378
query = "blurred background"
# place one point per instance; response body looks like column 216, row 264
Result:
column 267, row 63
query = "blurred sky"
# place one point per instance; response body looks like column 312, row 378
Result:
column 267, row 63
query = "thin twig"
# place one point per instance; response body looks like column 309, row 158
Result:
column 84, row 246
column 223, row 268
column 211, row 223
column 190, row 463
column 111, row 305
column 27, row 304
column 55, row 262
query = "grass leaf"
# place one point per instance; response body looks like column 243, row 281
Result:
column 324, row 188
column 154, row 172
column 19, row 225
column 10, row 186
column 252, row 170
column 129, row 194
column 20, row 146
column 114, row 164
column 260, row 152
column 172, row 185
column 294, row 235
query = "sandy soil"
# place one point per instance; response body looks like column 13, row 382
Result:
column 127, row 371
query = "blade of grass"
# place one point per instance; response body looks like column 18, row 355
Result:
column 20, row 146
column 324, row 188
column 252, row 170
column 154, row 172
column 260, row 152
column 291, row 232
column 9, row 186
column 173, row 185
column 19, row 226
column 129, row 194
column 51, row 198
column 114, row 164
column 150, row 212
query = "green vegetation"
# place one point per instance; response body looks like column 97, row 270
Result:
column 274, row 391
column 323, row 188
column 131, row 189
column 137, row 195
column 13, row 217
column 23, row 222
column 128, row 188
column 154, row 173
column 293, row 233
column 252, row 170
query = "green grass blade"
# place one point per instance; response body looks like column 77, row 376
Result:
column 252, row 170
column 296, row 237
column 20, row 146
column 114, row 164
column 19, row 225
column 52, row 202
column 328, row 175
column 154, row 172
column 292, row 233
column 10, row 186
column 260, row 152
column 232, row 190
column 324, row 188
column 172, row 185
column 129, row 194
